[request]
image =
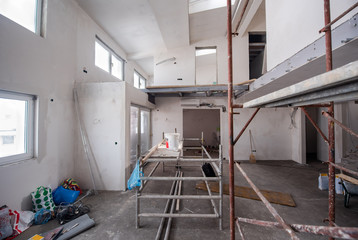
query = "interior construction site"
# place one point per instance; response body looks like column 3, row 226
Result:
column 189, row 119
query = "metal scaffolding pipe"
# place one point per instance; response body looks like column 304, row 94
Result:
column 210, row 194
column 337, row 232
column 315, row 125
column 240, row 230
column 183, row 160
column 158, row 196
column 331, row 147
column 344, row 169
column 160, row 228
column 221, row 189
column 272, row 210
column 181, row 178
column 347, row 129
column 179, row 215
column 149, row 175
column 246, row 125
column 230, row 123
column 213, row 163
column 324, row 29
column 172, row 207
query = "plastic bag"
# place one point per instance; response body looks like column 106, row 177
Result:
column 64, row 196
column 5, row 225
column 21, row 220
column 42, row 216
column 134, row 180
column 42, row 198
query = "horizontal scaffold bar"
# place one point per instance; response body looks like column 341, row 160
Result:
column 181, row 196
column 181, row 178
column 179, row 215
column 183, row 160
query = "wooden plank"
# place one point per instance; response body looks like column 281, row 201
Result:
column 246, row 192
column 348, row 178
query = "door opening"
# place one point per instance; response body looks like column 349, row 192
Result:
column 198, row 121
column 139, row 133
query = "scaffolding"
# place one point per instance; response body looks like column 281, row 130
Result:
column 319, row 100
column 160, row 154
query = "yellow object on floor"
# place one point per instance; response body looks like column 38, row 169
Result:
column 246, row 192
column 36, row 237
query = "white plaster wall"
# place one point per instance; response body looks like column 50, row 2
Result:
column 48, row 67
column 270, row 128
column 167, row 73
column 292, row 25
column 105, row 110
column 87, row 30
column 258, row 23
column 102, row 109
column 44, row 67
column 298, row 135
column 350, row 116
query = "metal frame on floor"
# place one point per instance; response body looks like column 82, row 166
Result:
column 333, row 230
column 175, row 192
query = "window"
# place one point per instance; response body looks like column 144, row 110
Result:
column 139, row 81
column 16, row 127
column 107, row 60
column 27, row 13
column 205, row 66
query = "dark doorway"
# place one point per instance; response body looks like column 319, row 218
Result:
column 257, row 54
column 196, row 121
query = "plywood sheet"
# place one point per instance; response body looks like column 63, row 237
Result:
column 246, row 192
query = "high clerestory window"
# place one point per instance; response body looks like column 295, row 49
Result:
column 108, row 60
column 17, row 118
column 139, row 81
column 26, row 13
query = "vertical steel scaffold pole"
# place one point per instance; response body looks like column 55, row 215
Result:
column 230, row 117
column 331, row 148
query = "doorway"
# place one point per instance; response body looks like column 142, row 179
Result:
column 311, row 135
column 139, row 132
column 198, row 121
column 257, row 54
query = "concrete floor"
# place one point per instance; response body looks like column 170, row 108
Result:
column 114, row 212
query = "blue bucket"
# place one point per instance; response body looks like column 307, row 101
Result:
column 64, row 196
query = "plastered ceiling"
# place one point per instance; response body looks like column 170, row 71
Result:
column 146, row 28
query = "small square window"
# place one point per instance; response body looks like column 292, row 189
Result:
column 16, row 127
column 108, row 60
column 102, row 57
column 117, row 67
column 26, row 13
column 139, row 81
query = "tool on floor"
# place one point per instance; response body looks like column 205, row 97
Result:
column 85, row 141
column 348, row 193
column 252, row 156
column 66, row 213
column 73, row 228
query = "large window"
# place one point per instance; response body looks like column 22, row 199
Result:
column 139, row 81
column 27, row 13
column 16, row 127
column 108, row 60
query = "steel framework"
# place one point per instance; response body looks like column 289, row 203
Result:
column 174, row 194
column 332, row 231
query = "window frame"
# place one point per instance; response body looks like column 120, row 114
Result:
column 112, row 54
column 38, row 18
column 29, row 127
column 139, row 78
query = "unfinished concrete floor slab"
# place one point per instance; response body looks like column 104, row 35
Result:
column 114, row 212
